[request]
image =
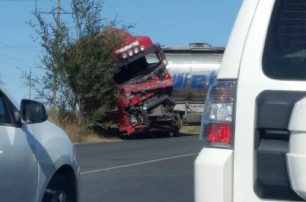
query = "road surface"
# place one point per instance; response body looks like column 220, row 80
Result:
column 143, row 170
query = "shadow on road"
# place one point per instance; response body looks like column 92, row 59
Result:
column 186, row 130
column 154, row 135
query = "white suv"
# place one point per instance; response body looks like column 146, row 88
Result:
column 37, row 159
column 254, row 123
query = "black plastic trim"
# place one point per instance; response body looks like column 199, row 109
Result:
column 272, row 143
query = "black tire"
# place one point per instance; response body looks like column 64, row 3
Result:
column 55, row 196
column 177, row 122
column 59, row 190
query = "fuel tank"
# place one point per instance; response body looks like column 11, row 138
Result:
column 193, row 69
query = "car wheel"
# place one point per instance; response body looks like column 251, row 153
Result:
column 59, row 190
column 55, row 196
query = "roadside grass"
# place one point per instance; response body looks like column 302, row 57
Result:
column 80, row 134
column 190, row 130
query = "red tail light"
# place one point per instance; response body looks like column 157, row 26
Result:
column 219, row 133
column 218, row 116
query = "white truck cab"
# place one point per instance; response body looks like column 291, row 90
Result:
column 254, row 122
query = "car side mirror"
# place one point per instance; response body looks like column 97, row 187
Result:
column 32, row 112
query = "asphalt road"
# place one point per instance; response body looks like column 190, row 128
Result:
column 143, row 170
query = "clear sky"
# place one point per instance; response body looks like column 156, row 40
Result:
column 169, row 22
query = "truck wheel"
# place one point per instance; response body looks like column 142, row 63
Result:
column 176, row 126
column 175, row 133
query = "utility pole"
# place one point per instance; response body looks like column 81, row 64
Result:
column 1, row 81
column 58, row 18
column 54, row 80
column 30, row 84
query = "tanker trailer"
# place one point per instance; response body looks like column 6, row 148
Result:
column 193, row 70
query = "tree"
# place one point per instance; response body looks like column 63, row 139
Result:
column 80, row 63
column 55, row 39
column 90, row 67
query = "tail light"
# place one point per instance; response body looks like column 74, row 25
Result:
column 218, row 117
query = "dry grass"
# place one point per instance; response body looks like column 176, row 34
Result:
column 79, row 134
column 190, row 130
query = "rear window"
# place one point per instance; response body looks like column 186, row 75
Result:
column 285, row 49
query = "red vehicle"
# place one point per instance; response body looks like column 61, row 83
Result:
column 146, row 87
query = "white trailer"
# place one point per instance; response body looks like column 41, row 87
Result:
column 193, row 69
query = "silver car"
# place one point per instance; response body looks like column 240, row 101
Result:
column 37, row 159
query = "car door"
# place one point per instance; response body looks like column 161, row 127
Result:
column 18, row 165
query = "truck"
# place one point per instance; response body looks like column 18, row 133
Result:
column 193, row 69
column 146, row 86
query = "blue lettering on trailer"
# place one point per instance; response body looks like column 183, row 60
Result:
column 180, row 80
column 198, row 81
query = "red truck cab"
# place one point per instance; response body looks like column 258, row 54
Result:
column 145, row 86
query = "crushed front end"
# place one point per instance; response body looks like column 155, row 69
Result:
column 146, row 87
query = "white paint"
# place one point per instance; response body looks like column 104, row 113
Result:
column 296, row 157
column 214, row 175
column 138, row 164
column 11, row 132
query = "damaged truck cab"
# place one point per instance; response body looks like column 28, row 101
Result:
column 146, row 87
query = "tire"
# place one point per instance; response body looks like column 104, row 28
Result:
column 55, row 196
column 177, row 122
column 59, row 190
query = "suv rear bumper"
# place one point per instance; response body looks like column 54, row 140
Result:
column 213, row 175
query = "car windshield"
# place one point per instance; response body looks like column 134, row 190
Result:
column 136, row 68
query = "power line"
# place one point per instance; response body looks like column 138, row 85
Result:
column 18, row 45
column 21, row 0
column 57, row 10
column 14, row 24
